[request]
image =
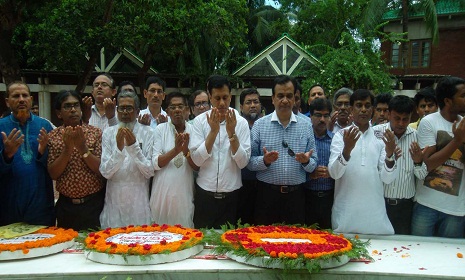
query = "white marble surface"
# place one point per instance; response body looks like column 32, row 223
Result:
column 414, row 258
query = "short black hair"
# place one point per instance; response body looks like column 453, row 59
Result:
column 382, row 98
column 317, row 85
column 125, row 83
column 320, row 104
column 298, row 87
column 426, row 93
column 63, row 94
column 282, row 80
column 246, row 92
column 447, row 87
column 194, row 95
column 155, row 80
column 175, row 94
column 361, row 94
column 401, row 104
column 217, row 81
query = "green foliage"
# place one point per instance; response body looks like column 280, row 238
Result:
column 355, row 64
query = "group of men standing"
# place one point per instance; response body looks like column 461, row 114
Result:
column 335, row 168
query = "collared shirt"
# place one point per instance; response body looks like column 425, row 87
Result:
column 101, row 121
column 359, row 205
column 323, row 145
column 153, row 120
column 77, row 180
column 304, row 117
column 268, row 132
column 404, row 185
column 338, row 127
column 220, row 171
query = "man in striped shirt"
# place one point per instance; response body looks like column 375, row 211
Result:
column 399, row 194
column 283, row 151
column 319, row 191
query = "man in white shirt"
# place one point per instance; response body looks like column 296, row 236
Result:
column 220, row 146
column 127, row 165
column 399, row 194
column 440, row 200
column 360, row 163
column 103, row 111
column 154, row 92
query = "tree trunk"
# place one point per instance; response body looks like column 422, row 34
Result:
column 405, row 44
column 90, row 65
column 84, row 79
column 141, row 74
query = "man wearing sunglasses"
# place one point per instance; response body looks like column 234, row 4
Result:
column 283, row 151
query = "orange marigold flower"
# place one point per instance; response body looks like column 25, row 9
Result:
column 459, row 255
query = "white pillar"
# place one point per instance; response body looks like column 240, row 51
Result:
column 44, row 103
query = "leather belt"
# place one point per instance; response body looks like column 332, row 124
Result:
column 216, row 195
column 81, row 200
column 396, row 201
column 283, row 189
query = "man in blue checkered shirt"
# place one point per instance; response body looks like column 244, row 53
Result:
column 283, row 151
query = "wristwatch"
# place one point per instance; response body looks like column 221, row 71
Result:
column 391, row 158
column 86, row 154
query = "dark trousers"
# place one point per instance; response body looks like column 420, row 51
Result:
column 318, row 208
column 211, row 212
column 81, row 216
column 273, row 206
column 246, row 202
column 399, row 212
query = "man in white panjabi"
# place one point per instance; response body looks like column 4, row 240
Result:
column 360, row 163
column 172, row 199
column 126, row 163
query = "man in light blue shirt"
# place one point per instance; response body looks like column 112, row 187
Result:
column 283, row 151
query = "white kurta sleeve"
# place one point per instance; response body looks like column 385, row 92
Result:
column 143, row 160
column 112, row 158
column 337, row 164
column 197, row 147
column 242, row 155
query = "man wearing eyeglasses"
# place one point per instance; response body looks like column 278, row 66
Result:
column 154, row 92
column 283, row 152
column 199, row 103
column 220, row 146
column 250, row 110
column 341, row 117
column 102, row 114
column 319, row 190
column 127, row 165
column 75, row 149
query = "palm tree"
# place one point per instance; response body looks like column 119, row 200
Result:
column 265, row 24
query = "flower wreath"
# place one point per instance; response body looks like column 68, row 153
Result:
column 60, row 235
column 97, row 241
column 293, row 246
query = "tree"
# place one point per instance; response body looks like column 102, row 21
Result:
column 377, row 8
column 265, row 25
column 58, row 42
column 355, row 64
column 332, row 30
